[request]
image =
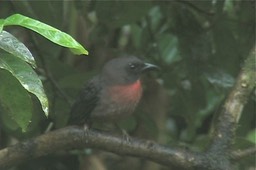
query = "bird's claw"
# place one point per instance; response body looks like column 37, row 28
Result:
column 126, row 136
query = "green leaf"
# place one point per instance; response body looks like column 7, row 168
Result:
column 49, row 32
column 26, row 76
column 1, row 24
column 15, row 100
column 12, row 45
column 219, row 77
column 251, row 136
column 168, row 47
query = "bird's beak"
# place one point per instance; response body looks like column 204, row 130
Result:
column 148, row 67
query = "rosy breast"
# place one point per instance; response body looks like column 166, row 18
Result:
column 127, row 94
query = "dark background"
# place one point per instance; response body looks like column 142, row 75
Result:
column 199, row 45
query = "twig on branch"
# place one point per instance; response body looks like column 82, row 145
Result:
column 191, row 5
column 239, row 154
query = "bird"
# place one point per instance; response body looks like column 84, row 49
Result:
column 111, row 95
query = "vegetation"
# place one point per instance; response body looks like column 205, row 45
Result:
column 201, row 105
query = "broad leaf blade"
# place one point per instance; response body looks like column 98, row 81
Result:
column 12, row 45
column 15, row 100
column 26, row 76
column 47, row 31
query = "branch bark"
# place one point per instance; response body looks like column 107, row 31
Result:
column 224, row 131
column 218, row 156
column 239, row 154
column 76, row 138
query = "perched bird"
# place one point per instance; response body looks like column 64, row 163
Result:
column 111, row 95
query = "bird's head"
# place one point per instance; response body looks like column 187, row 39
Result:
column 125, row 70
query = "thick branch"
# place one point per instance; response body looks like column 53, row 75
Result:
column 224, row 132
column 76, row 138
column 227, row 122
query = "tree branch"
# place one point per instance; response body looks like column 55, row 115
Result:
column 224, row 131
column 234, row 104
column 239, row 154
column 77, row 138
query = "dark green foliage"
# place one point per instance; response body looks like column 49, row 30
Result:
column 199, row 45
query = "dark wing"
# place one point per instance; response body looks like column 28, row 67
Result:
column 85, row 103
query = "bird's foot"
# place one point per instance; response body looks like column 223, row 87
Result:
column 126, row 136
column 86, row 127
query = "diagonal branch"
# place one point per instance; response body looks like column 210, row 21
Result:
column 224, row 131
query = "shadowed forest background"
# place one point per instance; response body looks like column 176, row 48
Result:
column 200, row 47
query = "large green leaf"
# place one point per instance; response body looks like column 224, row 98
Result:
column 12, row 45
column 47, row 31
column 26, row 76
column 15, row 101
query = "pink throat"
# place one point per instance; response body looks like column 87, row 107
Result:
column 127, row 93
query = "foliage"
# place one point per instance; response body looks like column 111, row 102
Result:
column 199, row 45
column 19, row 110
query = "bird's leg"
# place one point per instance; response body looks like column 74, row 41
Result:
column 86, row 127
column 125, row 134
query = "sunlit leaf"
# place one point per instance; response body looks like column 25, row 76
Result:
column 26, row 76
column 47, row 31
column 12, row 45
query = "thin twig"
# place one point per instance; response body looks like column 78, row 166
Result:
column 239, row 154
column 209, row 13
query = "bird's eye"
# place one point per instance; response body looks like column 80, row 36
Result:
column 132, row 66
